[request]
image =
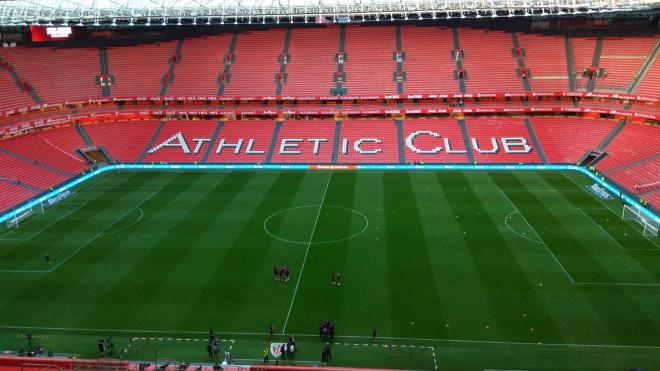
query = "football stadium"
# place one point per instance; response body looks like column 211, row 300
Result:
column 344, row 185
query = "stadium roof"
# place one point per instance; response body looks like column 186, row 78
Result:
column 206, row 11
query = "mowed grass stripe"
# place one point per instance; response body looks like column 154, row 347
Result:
column 104, row 265
column 501, row 274
column 630, row 252
column 244, row 267
column 137, row 287
column 610, row 302
column 461, row 294
column 365, row 296
column 27, row 303
column 409, row 262
column 317, row 299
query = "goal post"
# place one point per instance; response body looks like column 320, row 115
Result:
column 649, row 224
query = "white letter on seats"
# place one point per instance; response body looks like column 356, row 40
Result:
column 317, row 144
column 449, row 150
column 293, row 144
column 223, row 144
column 200, row 143
column 250, row 151
column 516, row 142
column 492, row 140
column 180, row 142
column 412, row 136
column 357, row 146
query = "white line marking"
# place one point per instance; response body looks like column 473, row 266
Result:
column 103, row 231
column 609, row 235
column 80, row 205
column 130, row 225
column 71, row 329
column 516, row 232
column 366, row 225
column 309, row 244
column 539, row 237
column 610, row 209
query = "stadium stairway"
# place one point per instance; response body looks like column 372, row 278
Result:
column 536, row 141
column 399, row 64
column 594, row 62
column 273, row 142
column 400, row 138
column 165, row 82
column 521, row 63
column 211, row 145
column 459, row 63
column 608, row 139
column 227, row 64
column 646, row 67
column 83, row 135
column 103, row 61
column 568, row 45
column 339, row 85
column 466, row 140
column 151, row 141
column 335, row 147
column 283, row 62
column 17, row 81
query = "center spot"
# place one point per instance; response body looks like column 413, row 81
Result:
column 334, row 224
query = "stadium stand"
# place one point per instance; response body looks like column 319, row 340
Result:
column 583, row 54
column 622, row 59
column 434, row 141
column 311, row 73
column 373, row 141
column 634, row 143
column 647, row 172
column 487, row 137
column 545, row 57
column 113, row 136
column 567, row 140
column 235, row 138
column 28, row 172
column 489, row 61
column 135, row 76
column 300, row 146
column 181, row 142
column 57, row 74
column 200, row 66
column 12, row 95
column 12, row 195
column 54, row 148
column 428, row 63
column 370, row 65
column 256, row 66
column 650, row 85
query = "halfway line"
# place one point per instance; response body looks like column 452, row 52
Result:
column 295, row 291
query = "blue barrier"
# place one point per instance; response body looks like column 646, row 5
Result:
column 465, row 167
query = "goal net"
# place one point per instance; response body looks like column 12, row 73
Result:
column 649, row 224
column 18, row 218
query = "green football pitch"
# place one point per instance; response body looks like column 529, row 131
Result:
column 475, row 270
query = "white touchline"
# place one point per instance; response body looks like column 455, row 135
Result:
column 309, row 244
column 494, row 342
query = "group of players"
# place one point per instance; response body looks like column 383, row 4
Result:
column 327, row 330
column 281, row 274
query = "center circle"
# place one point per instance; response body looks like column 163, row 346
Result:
column 296, row 224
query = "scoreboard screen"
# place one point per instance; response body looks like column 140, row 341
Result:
column 56, row 33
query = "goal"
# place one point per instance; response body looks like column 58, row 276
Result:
column 17, row 219
column 650, row 224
